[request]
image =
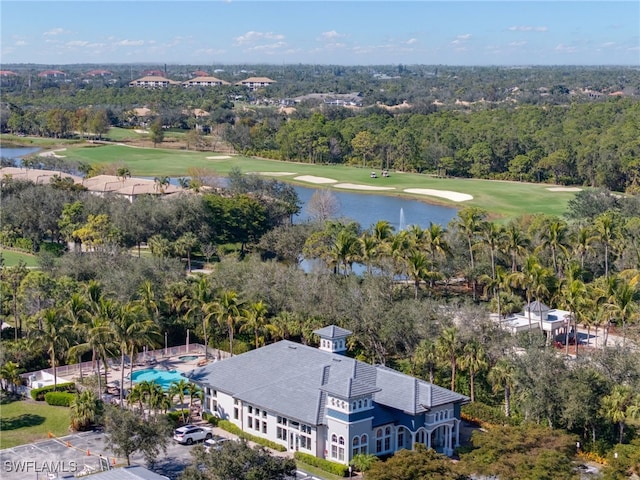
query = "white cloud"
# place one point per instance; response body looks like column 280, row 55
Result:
column 20, row 43
column 208, row 51
column 411, row 41
column 130, row 43
column 562, row 48
column 517, row 44
column 267, row 48
column 466, row 36
column 331, row 36
column 252, row 37
column 608, row 44
column 55, row 31
column 78, row 43
column 527, row 28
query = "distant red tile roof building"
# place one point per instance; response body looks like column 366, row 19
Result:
column 153, row 73
column 200, row 73
column 7, row 73
column 98, row 73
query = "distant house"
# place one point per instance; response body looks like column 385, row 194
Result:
column 256, row 83
column 200, row 73
column 98, row 73
column 549, row 321
column 204, row 81
column 52, row 74
column 7, row 73
column 153, row 82
column 153, row 73
column 320, row 402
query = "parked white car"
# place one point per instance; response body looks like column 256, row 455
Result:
column 215, row 443
column 189, row 434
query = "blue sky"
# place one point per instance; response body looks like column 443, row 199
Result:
column 321, row 32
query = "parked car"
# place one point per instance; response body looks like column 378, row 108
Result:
column 189, row 434
column 215, row 443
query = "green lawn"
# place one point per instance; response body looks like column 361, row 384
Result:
column 504, row 199
column 27, row 421
column 12, row 258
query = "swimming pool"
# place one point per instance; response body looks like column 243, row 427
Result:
column 187, row 358
column 162, row 377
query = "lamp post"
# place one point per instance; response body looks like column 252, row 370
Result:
column 165, row 344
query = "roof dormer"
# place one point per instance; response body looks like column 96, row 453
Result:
column 333, row 339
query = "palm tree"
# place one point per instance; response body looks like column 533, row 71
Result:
column 448, row 348
column 178, row 388
column 161, row 183
column 77, row 312
column 123, row 173
column 196, row 302
column 526, row 280
column 227, row 312
column 195, row 393
column 615, row 405
column 368, row 250
column 85, row 409
column 468, row 224
column 418, row 269
column 435, row 241
column 159, row 246
column 605, row 227
column 502, row 377
column 573, row 294
column 583, row 239
column 555, row 238
column 495, row 285
column 492, row 235
column 185, row 245
column 474, row 360
column 10, row 374
column 425, row 356
column 256, row 321
column 54, row 336
column 623, row 303
column 345, row 250
column 516, row 244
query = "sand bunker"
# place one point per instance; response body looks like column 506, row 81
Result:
column 449, row 195
column 145, row 132
column 355, row 186
column 52, row 153
column 272, row 174
column 219, row 157
column 564, row 189
column 317, row 180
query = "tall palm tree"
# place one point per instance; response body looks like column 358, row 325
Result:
column 516, row 244
column 195, row 393
column 436, row 242
column 531, row 279
column 495, row 285
column 178, row 388
column 502, row 377
column 473, row 359
column 76, row 311
column 54, row 336
column 606, row 232
column 345, row 250
column 573, row 295
column 623, row 303
column 582, row 240
column 493, row 237
column 227, row 311
column 556, row 238
column 468, row 224
column 256, row 321
column 425, row 356
column 368, row 251
column 195, row 303
column 448, row 348
column 418, row 269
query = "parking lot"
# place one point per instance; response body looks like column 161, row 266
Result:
column 83, row 453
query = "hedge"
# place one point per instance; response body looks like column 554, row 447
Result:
column 232, row 428
column 324, row 465
column 59, row 399
column 39, row 393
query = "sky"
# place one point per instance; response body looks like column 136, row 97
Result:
column 213, row 32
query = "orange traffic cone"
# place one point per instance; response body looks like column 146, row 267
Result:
column 88, row 452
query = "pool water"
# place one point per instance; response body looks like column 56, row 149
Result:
column 164, row 378
column 188, row 358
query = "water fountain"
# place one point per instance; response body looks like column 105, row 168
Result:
column 402, row 224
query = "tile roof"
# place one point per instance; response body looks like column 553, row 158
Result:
column 293, row 380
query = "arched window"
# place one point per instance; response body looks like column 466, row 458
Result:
column 340, row 448
column 355, row 444
column 353, row 406
column 334, row 438
column 334, row 446
column 383, row 440
column 359, row 403
column 356, row 441
column 364, row 440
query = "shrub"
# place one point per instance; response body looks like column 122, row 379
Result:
column 176, row 416
column 39, row 393
column 231, row 428
column 209, row 418
column 324, row 465
column 59, row 399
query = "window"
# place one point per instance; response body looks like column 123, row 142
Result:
column 359, row 403
column 250, row 422
column 264, row 414
column 341, row 449
column 364, row 440
column 264, row 427
column 355, row 446
column 387, row 439
column 305, row 429
column 305, row 442
column 250, row 408
column 401, row 438
column 383, row 440
column 214, row 393
column 281, row 433
column 235, row 413
column 257, row 425
column 282, row 420
column 379, row 440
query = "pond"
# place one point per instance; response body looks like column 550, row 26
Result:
column 17, row 153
